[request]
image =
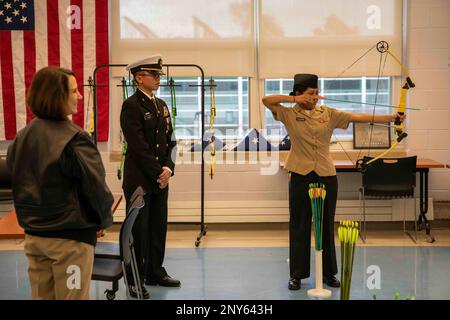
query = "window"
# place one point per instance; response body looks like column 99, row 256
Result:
column 244, row 42
column 350, row 92
column 328, row 37
column 231, row 106
column 216, row 35
column 276, row 86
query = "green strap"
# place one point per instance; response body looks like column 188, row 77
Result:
column 122, row 138
column 173, row 98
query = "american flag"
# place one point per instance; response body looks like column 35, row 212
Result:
column 33, row 34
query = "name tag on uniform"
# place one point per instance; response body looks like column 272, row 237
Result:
column 148, row 116
column 300, row 119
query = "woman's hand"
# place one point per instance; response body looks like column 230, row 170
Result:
column 308, row 101
column 100, row 233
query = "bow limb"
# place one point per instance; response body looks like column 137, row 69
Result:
column 362, row 164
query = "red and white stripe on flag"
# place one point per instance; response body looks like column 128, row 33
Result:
column 68, row 33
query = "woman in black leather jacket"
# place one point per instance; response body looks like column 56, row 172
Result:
column 59, row 188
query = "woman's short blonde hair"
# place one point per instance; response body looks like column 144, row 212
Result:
column 49, row 93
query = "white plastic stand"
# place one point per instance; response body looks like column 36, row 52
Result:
column 319, row 291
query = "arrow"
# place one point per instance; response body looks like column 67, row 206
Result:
column 370, row 104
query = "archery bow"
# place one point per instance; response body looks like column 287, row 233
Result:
column 122, row 138
column 90, row 112
column 173, row 99
column 211, row 127
column 383, row 47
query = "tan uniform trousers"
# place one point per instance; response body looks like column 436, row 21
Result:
column 59, row 269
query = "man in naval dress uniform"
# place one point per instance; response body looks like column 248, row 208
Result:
column 150, row 163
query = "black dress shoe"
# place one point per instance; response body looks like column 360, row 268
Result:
column 165, row 281
column 294, row 284
column 331, row 281
column 133, row 293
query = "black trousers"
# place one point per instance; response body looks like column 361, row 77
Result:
column 300, row 224
column 149, row 234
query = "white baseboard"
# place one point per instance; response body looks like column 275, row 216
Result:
column 278, row 211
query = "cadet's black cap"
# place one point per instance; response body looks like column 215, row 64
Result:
column 303, row 81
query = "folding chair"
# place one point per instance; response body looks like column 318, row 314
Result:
column 387, row 179
column 110, row 265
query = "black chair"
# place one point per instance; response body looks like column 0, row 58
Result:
column 111, row 249
column 389, row 178
column 110, row 265
column 5, row 182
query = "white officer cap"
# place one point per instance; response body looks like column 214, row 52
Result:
column 151, row 64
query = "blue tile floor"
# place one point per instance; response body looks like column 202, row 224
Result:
column 263, row 273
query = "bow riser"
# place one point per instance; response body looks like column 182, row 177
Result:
column 398, row 124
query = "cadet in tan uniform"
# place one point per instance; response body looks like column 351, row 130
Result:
column 310, row 128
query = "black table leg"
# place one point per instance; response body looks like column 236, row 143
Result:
column 423, row 221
